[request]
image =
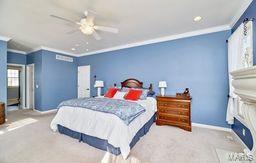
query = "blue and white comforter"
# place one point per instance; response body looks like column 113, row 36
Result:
column 125, row 110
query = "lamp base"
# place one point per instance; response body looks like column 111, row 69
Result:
column 162, row 91
column 99, row 92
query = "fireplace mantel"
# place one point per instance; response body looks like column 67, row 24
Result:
column 244, row 83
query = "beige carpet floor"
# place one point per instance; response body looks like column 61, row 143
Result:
column 27, row 138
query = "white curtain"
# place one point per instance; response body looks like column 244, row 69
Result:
column 239, row 56
column 248, row 46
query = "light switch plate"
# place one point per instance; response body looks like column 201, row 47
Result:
column 243, row 131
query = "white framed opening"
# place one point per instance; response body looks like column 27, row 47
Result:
column 16, row 86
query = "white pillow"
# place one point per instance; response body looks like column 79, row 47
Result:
column 119, row 95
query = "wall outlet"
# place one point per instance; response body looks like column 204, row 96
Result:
column 243, row 131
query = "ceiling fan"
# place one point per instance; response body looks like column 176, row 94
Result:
column 87, row 26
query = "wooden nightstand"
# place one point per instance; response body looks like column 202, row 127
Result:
column 2, row 113
column 174, row 110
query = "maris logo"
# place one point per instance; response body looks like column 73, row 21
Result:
column 240, row 157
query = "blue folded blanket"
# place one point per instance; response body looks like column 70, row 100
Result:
column 125, row 110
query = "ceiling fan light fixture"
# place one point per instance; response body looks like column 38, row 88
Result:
column 88, row 30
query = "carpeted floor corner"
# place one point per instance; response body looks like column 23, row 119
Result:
column 26, row 138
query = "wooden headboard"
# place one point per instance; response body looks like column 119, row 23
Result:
column 134, row 83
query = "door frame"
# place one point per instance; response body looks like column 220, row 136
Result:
column 89, row 79
column 23, row 83
column 28, row 83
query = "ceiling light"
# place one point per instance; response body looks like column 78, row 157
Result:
column 87, row 43
column 87, row 49
column 77, row 45
column 88, row 30
column 197, row 18
column 73, row 49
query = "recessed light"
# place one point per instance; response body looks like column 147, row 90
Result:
column 197, row 18
column 73, row 49
column 87, row 43
column 87, row 49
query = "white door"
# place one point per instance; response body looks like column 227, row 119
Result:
column 30, row 87
column 83, row 84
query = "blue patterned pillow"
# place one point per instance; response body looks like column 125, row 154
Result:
column 151, row 93
column 144, row 94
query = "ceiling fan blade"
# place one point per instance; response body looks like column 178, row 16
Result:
column 106, row 29
column 64, row 19
column 73, row 31
column 96, row 35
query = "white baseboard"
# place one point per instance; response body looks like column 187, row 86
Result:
column 211, row 127
column 47, row 111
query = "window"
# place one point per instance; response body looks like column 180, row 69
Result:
column 13, row 78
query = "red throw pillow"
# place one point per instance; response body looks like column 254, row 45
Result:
column 133, row 94
column 111, row 92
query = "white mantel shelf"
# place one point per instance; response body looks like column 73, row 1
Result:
column 244, row 82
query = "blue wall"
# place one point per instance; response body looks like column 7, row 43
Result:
column 199, row 63
column 16, row 58
column 249, row 13
column 56, row 80
column 238, row 126
column 3, row 71
column 59, row 80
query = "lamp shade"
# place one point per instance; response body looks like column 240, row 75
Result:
column 162, row 84
column 99, row 83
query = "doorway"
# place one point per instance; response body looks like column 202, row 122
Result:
column 16, row 87
column 83, row 81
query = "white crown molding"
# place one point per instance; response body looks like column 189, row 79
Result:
column 3, row 38
column 53, row 50
column 240, row 13
column 34, row 50
column 59, row 51
column 16, row 51
column 162, row 39
column 141, row 43
column 211, row 127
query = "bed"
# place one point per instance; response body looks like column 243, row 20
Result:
column 106, row 131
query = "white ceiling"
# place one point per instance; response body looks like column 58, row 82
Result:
column 29, row 25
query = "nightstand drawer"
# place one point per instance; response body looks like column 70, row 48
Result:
column 2, row 120
column 173, row 104
column 173, row 118
column 2, row 112
column 176, row 111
